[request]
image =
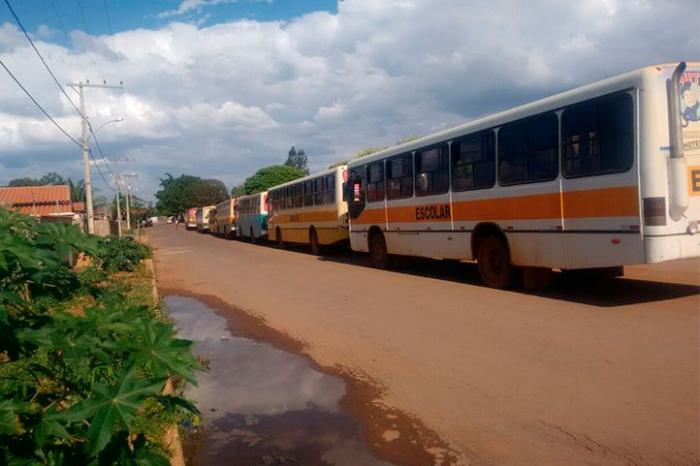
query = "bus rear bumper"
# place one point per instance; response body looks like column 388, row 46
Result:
column 662, row 248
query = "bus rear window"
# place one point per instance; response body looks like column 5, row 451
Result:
column 597, row 137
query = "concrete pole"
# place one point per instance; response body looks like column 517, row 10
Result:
column 86, row 165
column 119, row 213
column 128, row 207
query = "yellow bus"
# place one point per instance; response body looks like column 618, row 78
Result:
column 225, row 219
column 598, row 177
column 310, row 210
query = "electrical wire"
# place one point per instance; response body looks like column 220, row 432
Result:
column 46, row 65
column 39, row 105
column 100, row 171
column 99, row 148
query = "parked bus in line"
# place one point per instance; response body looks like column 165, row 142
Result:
column 203, row 218
column 597, row 177
column 224, row 225
column 310, row 210
column 191, row 219
column 251, row 216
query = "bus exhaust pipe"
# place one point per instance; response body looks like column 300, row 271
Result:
column 678, row 165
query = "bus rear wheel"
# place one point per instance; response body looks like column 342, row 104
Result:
column 313, row 242
column 280, row 241
column 378, row 253
column 493, row 261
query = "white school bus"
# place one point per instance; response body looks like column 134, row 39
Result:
column 598, row 177
column 202, row 218
column 310, row 210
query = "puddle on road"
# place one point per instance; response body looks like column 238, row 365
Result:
column 261, row 405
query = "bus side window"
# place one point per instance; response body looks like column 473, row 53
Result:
column 474, row 162
column 527, row 150
column 399, row 177
column 375, row 181
column 597, row 137
column 432, row 171
column 330, row 189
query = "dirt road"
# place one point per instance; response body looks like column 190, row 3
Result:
column 575, row 375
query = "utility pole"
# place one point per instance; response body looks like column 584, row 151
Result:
column 86, row 158
column 128, row 179
column 119, row 213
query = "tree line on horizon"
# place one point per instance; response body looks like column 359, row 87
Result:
column 186, row 191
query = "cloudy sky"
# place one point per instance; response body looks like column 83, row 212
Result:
column 220, row 88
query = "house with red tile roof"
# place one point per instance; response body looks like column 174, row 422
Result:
column 38, row 201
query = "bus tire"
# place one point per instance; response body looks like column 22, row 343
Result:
column 313, row 242
column 378, row 253
column 493, row 261
column 252, row 236
column 280, row 241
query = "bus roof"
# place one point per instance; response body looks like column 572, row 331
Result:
column 595, row 89
column 250, row 196
column 328, row 171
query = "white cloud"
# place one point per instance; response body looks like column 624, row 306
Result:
column 225, row 100
column 187, row 6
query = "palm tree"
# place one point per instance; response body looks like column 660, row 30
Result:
column 77, row 190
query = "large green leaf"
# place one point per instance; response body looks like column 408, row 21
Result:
column 9, row 421
column 113, row 406
column 50, row 425
column 164, row 354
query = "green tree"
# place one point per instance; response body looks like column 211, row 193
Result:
column 51, row 178
column 238, row 190
column 77, row 190
column 178, row 194
column 297, row 159
column 268, row 177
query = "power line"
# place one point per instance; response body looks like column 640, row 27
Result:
column 39, row 105
column 60, row 21
column 99, row 148
column 46, row 65
column 100, row 171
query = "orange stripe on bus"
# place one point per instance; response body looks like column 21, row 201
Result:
column 606, row 202
column 318, row 216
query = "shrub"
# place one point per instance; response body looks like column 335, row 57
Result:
column 121, row 254
column 80, row 388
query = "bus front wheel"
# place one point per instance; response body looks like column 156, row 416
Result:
column 493, row 261
column 378, row 253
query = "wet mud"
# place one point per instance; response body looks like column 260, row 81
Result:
column 264, row 401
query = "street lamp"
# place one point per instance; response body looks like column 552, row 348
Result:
column 117, row 120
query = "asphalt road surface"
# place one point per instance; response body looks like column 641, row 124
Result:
column 575, row 374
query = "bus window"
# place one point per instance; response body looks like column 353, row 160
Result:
column 432, row 171
column 375, row 182
column 527, row 150
column 298, row 195
column 399, row 177
column 597, row 137
column 474, row 162
column 308, row 193
column 330, row 189
column 318, row 190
